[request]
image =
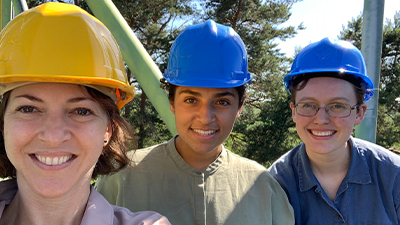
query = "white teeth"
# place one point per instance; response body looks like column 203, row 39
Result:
column 325, row 133
column 53, row 161
column 205, row 132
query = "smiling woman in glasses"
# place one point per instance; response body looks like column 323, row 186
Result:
column 333, row 178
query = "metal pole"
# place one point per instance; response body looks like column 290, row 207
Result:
column 371, row 48
column 136, row 57
column 19, row 6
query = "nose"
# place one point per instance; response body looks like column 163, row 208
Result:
column 206, row 113
column 321, row 116
column 54, row 129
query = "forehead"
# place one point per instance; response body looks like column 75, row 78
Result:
column 51, row 87
column 327, row 88
column 204, row 92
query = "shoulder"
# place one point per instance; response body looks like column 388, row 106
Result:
column 249, row 169
column 125, row 216
column 158, row 150
column 99, row 211
column 238, row 162
column 144, row 162
column 287, row 162
column 376, row 153
column 381, row 164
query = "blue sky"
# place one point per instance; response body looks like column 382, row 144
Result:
column 324, row 18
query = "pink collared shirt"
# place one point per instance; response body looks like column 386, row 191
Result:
column 98, row 210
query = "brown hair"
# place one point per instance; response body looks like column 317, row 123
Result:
column 114, row 155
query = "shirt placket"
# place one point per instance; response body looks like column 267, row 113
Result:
column 199, row 195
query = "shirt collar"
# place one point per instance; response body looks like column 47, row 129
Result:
column 184, row 166
column 98, row 210
column 358, row 169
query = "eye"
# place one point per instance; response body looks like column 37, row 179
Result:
column 190, row 100
column 83, row 111
column 338, row 107
column 26, row 109
column 308, row 105
column 223, row 102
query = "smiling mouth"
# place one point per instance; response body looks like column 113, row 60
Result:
column 53, row 161
column 204, row 132
column 322, row 133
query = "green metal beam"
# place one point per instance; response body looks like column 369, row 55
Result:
column 5, row 12
column 136, row 57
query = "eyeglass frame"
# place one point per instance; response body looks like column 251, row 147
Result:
column 326, row 110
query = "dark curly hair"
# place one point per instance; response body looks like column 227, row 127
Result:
column 114, row 155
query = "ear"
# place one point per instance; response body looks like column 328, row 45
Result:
column 171, row 107
column 293, row 111
column 108, row 133
column 362, row 109
column 239, row 112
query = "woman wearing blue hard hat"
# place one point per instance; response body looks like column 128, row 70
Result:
column 193, row 179
column 332, row 177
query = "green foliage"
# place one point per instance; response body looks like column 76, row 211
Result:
column 146, row 122
column 266, row 136
column 156, row 23
column 353, row 32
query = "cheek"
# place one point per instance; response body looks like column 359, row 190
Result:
column 229, row 118
column 15, row 137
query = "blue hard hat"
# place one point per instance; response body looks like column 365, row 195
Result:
column 330, row 57
column 208, row 55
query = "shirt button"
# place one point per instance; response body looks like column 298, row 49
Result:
column 338, row 216
column 198, row 172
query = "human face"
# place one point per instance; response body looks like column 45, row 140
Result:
column 204, row 118
column 321, row 133
column 54, row 134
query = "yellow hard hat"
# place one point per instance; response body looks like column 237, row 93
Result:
column 59, row 42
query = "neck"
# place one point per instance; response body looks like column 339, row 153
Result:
column 331, row 163
column 196, row 159
column 30, row 209
column 331, row 169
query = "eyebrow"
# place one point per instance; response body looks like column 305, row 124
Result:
column 333, row 99
column 29, row 97
column 218, row 95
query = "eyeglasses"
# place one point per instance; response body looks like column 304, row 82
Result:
column 336, row 110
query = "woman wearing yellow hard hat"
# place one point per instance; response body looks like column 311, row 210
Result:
column 62, row 81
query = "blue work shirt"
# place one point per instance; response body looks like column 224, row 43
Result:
column 369, row 194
